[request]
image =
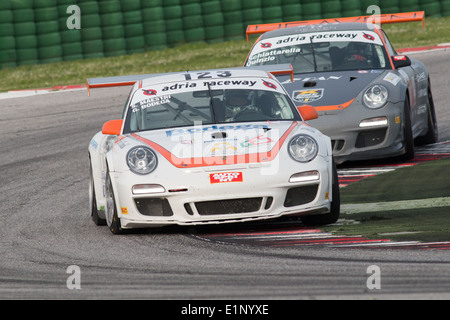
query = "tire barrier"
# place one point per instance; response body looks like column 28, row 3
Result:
column 36, row 31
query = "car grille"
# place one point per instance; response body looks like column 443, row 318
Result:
column 300, row 195
column 231, row 206
column 370, row 138
column 158, row 207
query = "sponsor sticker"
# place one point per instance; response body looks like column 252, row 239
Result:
column 307, row 95
column 392, row 78
column 399, row 58
column 149, row 92
column 224, row 177
column 269, row 84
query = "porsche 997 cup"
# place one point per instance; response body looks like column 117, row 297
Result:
column 372, row 102
column 210, row 147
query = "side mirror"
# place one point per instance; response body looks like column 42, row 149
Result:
column 401, row 61
column 308, row 112
column 112, row 127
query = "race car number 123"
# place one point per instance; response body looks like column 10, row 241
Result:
column 206, row 75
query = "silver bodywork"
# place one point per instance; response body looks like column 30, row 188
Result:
column 408, row 114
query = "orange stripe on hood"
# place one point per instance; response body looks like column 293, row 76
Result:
column 335, row 107
column 218, row 160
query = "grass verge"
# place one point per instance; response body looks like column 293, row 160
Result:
column 423, row 181
column 194, row 56
column 425, row 225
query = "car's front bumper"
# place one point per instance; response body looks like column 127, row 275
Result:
column 357, row 135
column 187, row 196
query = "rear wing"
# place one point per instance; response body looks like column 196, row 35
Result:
column 382, row 19
column 120, row 81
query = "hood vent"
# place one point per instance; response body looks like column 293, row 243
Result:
column 219, row 135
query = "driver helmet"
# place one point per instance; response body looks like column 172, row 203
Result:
column 236, row 101
column 358, row 51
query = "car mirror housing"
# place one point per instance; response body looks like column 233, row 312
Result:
column 112, row 127
column 401, row 61
column 308, row 112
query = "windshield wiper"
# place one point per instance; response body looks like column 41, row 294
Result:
column 313, row 53
column 211, row 102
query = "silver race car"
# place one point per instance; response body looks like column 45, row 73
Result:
column 372, row 102
column 210, row 147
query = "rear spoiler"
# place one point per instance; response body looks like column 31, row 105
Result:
column 120, row 81
column 383, row 19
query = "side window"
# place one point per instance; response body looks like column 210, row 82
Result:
column 389, row 46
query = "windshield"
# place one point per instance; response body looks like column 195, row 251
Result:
column 322, row 51
column 208, row 107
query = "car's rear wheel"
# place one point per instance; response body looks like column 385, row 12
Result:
column 112, row 219
column 333, row 215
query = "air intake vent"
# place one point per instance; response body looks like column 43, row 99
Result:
column 229, row 206
column 300, row 195
column 154, row 207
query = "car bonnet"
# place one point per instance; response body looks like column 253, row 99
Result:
column 330, row 90
column 234, row 143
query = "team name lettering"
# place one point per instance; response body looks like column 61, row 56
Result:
column 199, row 129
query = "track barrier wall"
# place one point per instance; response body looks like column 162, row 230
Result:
column 43, row 31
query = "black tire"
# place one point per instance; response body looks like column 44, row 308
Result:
column 99, row 221
column 112, row 219
column 335, row 210
column 432, row 135
column 27, row 56
column 408, row 138
column 7, row 43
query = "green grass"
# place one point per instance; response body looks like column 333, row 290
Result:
column 187, row 57
column 423, row 181
column 195, row 56
column 426, row 225
column 407, row 35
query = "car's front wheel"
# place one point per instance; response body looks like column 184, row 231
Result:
column 99, row 221
column 432, row 135
column 408, row 139
column 333, row 215
column 112, row 220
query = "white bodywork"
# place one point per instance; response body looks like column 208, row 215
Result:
column 247, row 165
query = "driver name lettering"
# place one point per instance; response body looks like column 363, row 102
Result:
column 270, row 55
column 156, row 101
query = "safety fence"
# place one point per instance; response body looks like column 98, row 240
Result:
column 42, row 31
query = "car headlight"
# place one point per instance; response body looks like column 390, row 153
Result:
column 303, row 148
column 141, row 160
column 375, row 97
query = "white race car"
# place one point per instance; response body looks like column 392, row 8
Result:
column 208, row 147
